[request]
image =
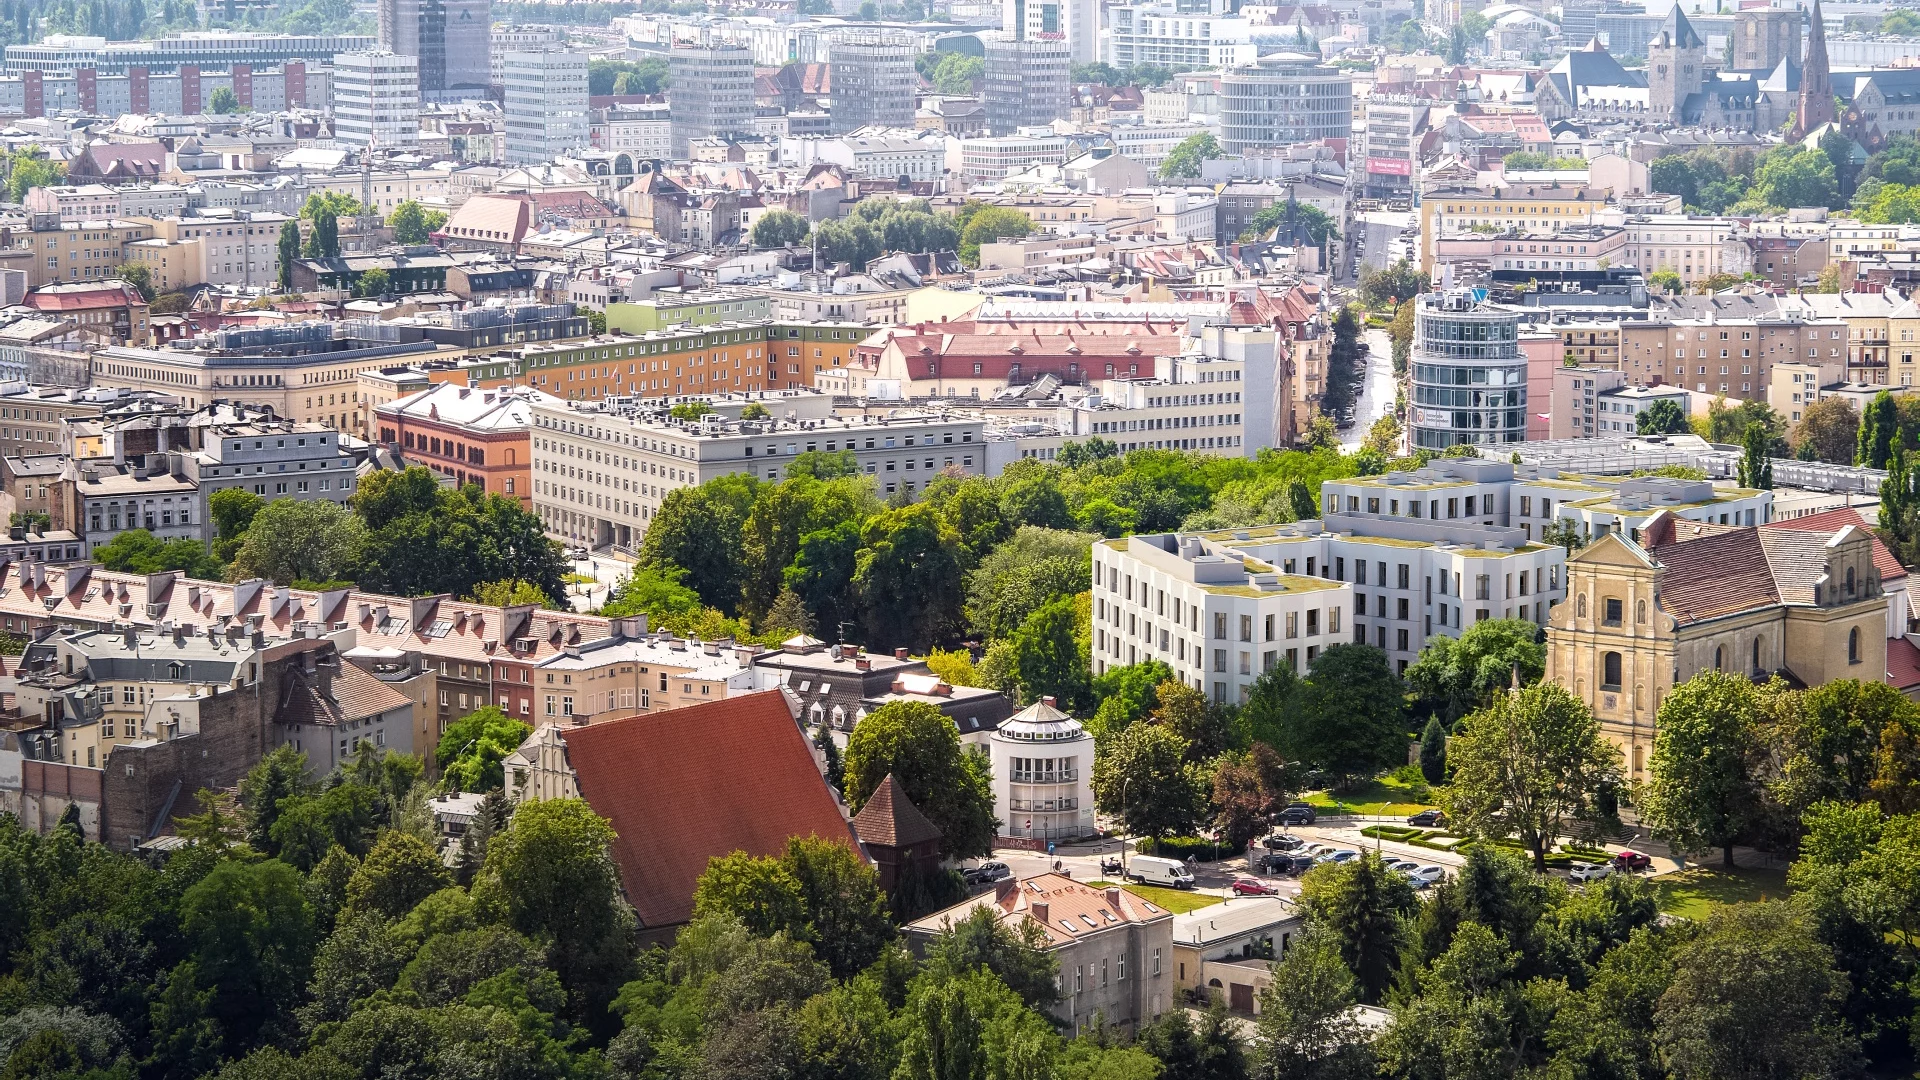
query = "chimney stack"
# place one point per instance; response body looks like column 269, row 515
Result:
column 899, row 654
column 1039, row 909
column 1048, row 701
column 1004, row 888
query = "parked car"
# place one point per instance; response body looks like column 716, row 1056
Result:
column 1582, row 871
column 1292, row 864
column 1298, row 814
column 1629, row 861
column 1313, row 851
column 1282, row 842
column 1400, row 866
column 1342, row 855
column 1250, row 887
column 986, row 873
column 1427, row 875
column 577, row 554
column 1428, row 819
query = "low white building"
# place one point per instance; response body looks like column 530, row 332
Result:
column 1043, row 774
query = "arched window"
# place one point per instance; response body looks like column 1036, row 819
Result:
column 1849, row 581
column 1756, row 655
column 1853, row 645
column 1719, row 658
column 1610, row 675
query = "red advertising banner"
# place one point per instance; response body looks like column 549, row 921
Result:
column 1389, row 166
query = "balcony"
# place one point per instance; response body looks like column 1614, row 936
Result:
column 1069, row 776
column 1043, row 805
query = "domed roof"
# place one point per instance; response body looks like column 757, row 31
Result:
column 1041, row 722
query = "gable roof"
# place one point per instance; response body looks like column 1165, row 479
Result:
column 889, row 819
column 1065, row 909
column 1677, row 32
column 1832, row 521
column 1714, row 570
column 687, row 784
column 351, row 694
column 1592, row 66
column 1903, row 663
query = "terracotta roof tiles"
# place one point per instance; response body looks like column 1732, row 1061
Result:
column 685, row 785
column 889, row 818
column 1832, row 521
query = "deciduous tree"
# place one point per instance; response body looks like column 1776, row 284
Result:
column 921, row 748
column 1526, row 764
column 1702, row 790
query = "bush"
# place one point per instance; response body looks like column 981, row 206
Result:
column 1179, row 847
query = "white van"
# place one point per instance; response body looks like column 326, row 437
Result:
column 1149, row 870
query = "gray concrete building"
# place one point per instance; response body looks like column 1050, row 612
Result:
column 1027, row 82
column 1284, row 99
column 873, row 82
column 452, row 38
column 546, row 105
column 711, row 90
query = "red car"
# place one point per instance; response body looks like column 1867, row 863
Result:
column 1631, row 860
column 1245, row 887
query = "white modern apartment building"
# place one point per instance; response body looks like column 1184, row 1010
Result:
column 992, row 157
column 376, row 99
column 1165, row 34
column 511, row 39
column 1496, row 493
column 1043, row 774
column 1218, row 399
column 546, row 105
column 1345, row 578
column 877, row 154
column 601, row 469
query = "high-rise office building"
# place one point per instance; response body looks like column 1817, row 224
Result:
column 1076, row 21
column 1469, row 376
column 546, row 105
column 376, row 99
column 710, row 88
column 1282, row 100
column 1027, row 82
column 451, row 38
column 873, row 81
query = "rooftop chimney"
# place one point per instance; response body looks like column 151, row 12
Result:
column 1039, row 909
column 1048, row 701
column 899, row 654
column 1004, row 888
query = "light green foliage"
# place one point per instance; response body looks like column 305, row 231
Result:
column 1453, row 676
column 1663, row 417
column 414, row 224
column 471, row 748
column 1143, row 778
column 780, row 228
column 950, row 72
column 1538, row 161
column 28, row 168
column 1050, row 653
column 1183, row 161
column 306, row 541
column 983, row 224
column 138, row 551
column 647, row 76
column 1030, row 569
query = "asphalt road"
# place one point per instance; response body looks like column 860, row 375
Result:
column 1376, row 392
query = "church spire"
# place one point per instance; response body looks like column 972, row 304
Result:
column 1816, row 90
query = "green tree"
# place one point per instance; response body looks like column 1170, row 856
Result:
column 374, row 282
column 1702, row 791
column 28, row 168
column 1453, row 676
column 551, row 877
column 289, row 252
column 413, row 223
column 653, row 591
column 233, row 510
column 1794, row 176
column 981, row 943
column 471, row 748
column 1143, row 778
column 1879, row 426
column 1391, row 284
column 1030, row 569
column 916, row 743
column 277, row 778
column 1666, row 280
column 1662, row 417
column 223, row 101
column 1525, row 764
column 1206, row 1048
column 1433, row 752
column 990, row 224
column 1307, row 1026
column 422, row 538
column 323, row 241
column 1343, row 363
column 290, row 541
column 1828, row 431
column 700, row 530
column 780, row 228
column 1756, row 460
column 509, row 594
column 1754, row 995
column 1347, row 716
column 907, row 577
column 1050, row 653
column 138, row 275
column 249, row 936
column 138, row 551
column 398, row 873
column 1360, row 905
column 1183, row 161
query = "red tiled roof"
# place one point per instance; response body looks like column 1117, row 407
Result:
column 685, row 785
column 1067, row 910
column 1903, row 664
column 354, row 695
column 1832, row 521
column 1715, row 575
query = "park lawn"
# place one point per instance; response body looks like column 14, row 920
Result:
column 1178, row 901
column 1694, row 893
column 1385, row 797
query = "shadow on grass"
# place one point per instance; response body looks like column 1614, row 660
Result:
column 1695, row 892
column 1384, row 797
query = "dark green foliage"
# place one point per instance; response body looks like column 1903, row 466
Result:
column 1433, row 752
column 422, row 538
column 921, row 748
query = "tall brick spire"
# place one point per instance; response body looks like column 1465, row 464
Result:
column 1816, row 90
